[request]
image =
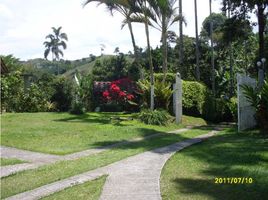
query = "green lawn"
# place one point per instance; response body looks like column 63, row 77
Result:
column 90, row 190
column 63, row 133
column 31, row 179
column 191, row 173
column 10, row 161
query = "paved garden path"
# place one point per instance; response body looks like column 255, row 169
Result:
column 134, row 178
column 38, row 159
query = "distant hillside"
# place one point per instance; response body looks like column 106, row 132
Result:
column 88, row 67
column 85, row 68
column 67, row 68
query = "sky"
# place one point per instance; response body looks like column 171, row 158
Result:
column 24, row 25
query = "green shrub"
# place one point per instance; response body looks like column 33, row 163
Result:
column 11, row 91
column 34, row 99
column 170, row 78
column 193, row 97
column 77, row 108
column 155, row 117
column 258, row 97
column 62, row 96
column 162, row 93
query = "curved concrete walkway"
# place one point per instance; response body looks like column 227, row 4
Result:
column 134, row 178
column 36, row 159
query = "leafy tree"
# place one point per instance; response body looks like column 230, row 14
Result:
column 111, row 69
column 218, row 21
column 11, row 62
column 164, row 16
column 242, row 7
column 11, row 91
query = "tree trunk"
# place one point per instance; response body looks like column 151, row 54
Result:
column 164, row 47
column 212, row 53
column 197, row 43
column 181, row 34
column 132, row 39
column 150, row 64
column 230, row 55
column 135, row 49
column 261, row 22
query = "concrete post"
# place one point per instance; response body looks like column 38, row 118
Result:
column 177, row 98
column 246, row 113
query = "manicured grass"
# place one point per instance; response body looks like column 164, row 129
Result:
column 10, row 161
column 191, row 173
column 90, row 190
column 31, row 179
column 63, row 133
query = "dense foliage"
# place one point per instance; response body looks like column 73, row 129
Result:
column 193, row 97
column 162, row 93
column 46, row 93
column 259, row 100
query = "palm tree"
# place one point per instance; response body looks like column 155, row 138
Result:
column 124, row 8
column 56, row 40
column 196, row 43
column 143, row 14
column 164, row 17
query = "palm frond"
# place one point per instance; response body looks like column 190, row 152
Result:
column 251, row 95
column 64, row 36
column 124, row 22
column 63, row 44
column 176, row 19
column 46, row 53
column 50, row 36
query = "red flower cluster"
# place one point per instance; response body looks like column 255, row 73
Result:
column 114, row 88
column 119, row 91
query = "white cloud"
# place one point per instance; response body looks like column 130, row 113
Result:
column 5, row 12
column 26, row 23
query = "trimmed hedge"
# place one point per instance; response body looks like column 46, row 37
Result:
column 193, row 97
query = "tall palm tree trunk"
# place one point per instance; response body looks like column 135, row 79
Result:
column 212, row 52
column 230, row 54
column 132, row 39
column 135, row 49
column 197, row 43
column 150, row 63
column 261, row 27
column 164, row 47
column 181, row 35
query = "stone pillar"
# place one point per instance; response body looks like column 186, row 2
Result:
column 246, row 113
column 177, row 98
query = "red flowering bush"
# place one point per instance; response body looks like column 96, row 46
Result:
column 120, row 92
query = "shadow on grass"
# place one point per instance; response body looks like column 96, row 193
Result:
column 145, row 133
column 100, row 118
column 150, row 140
column 230, row 155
